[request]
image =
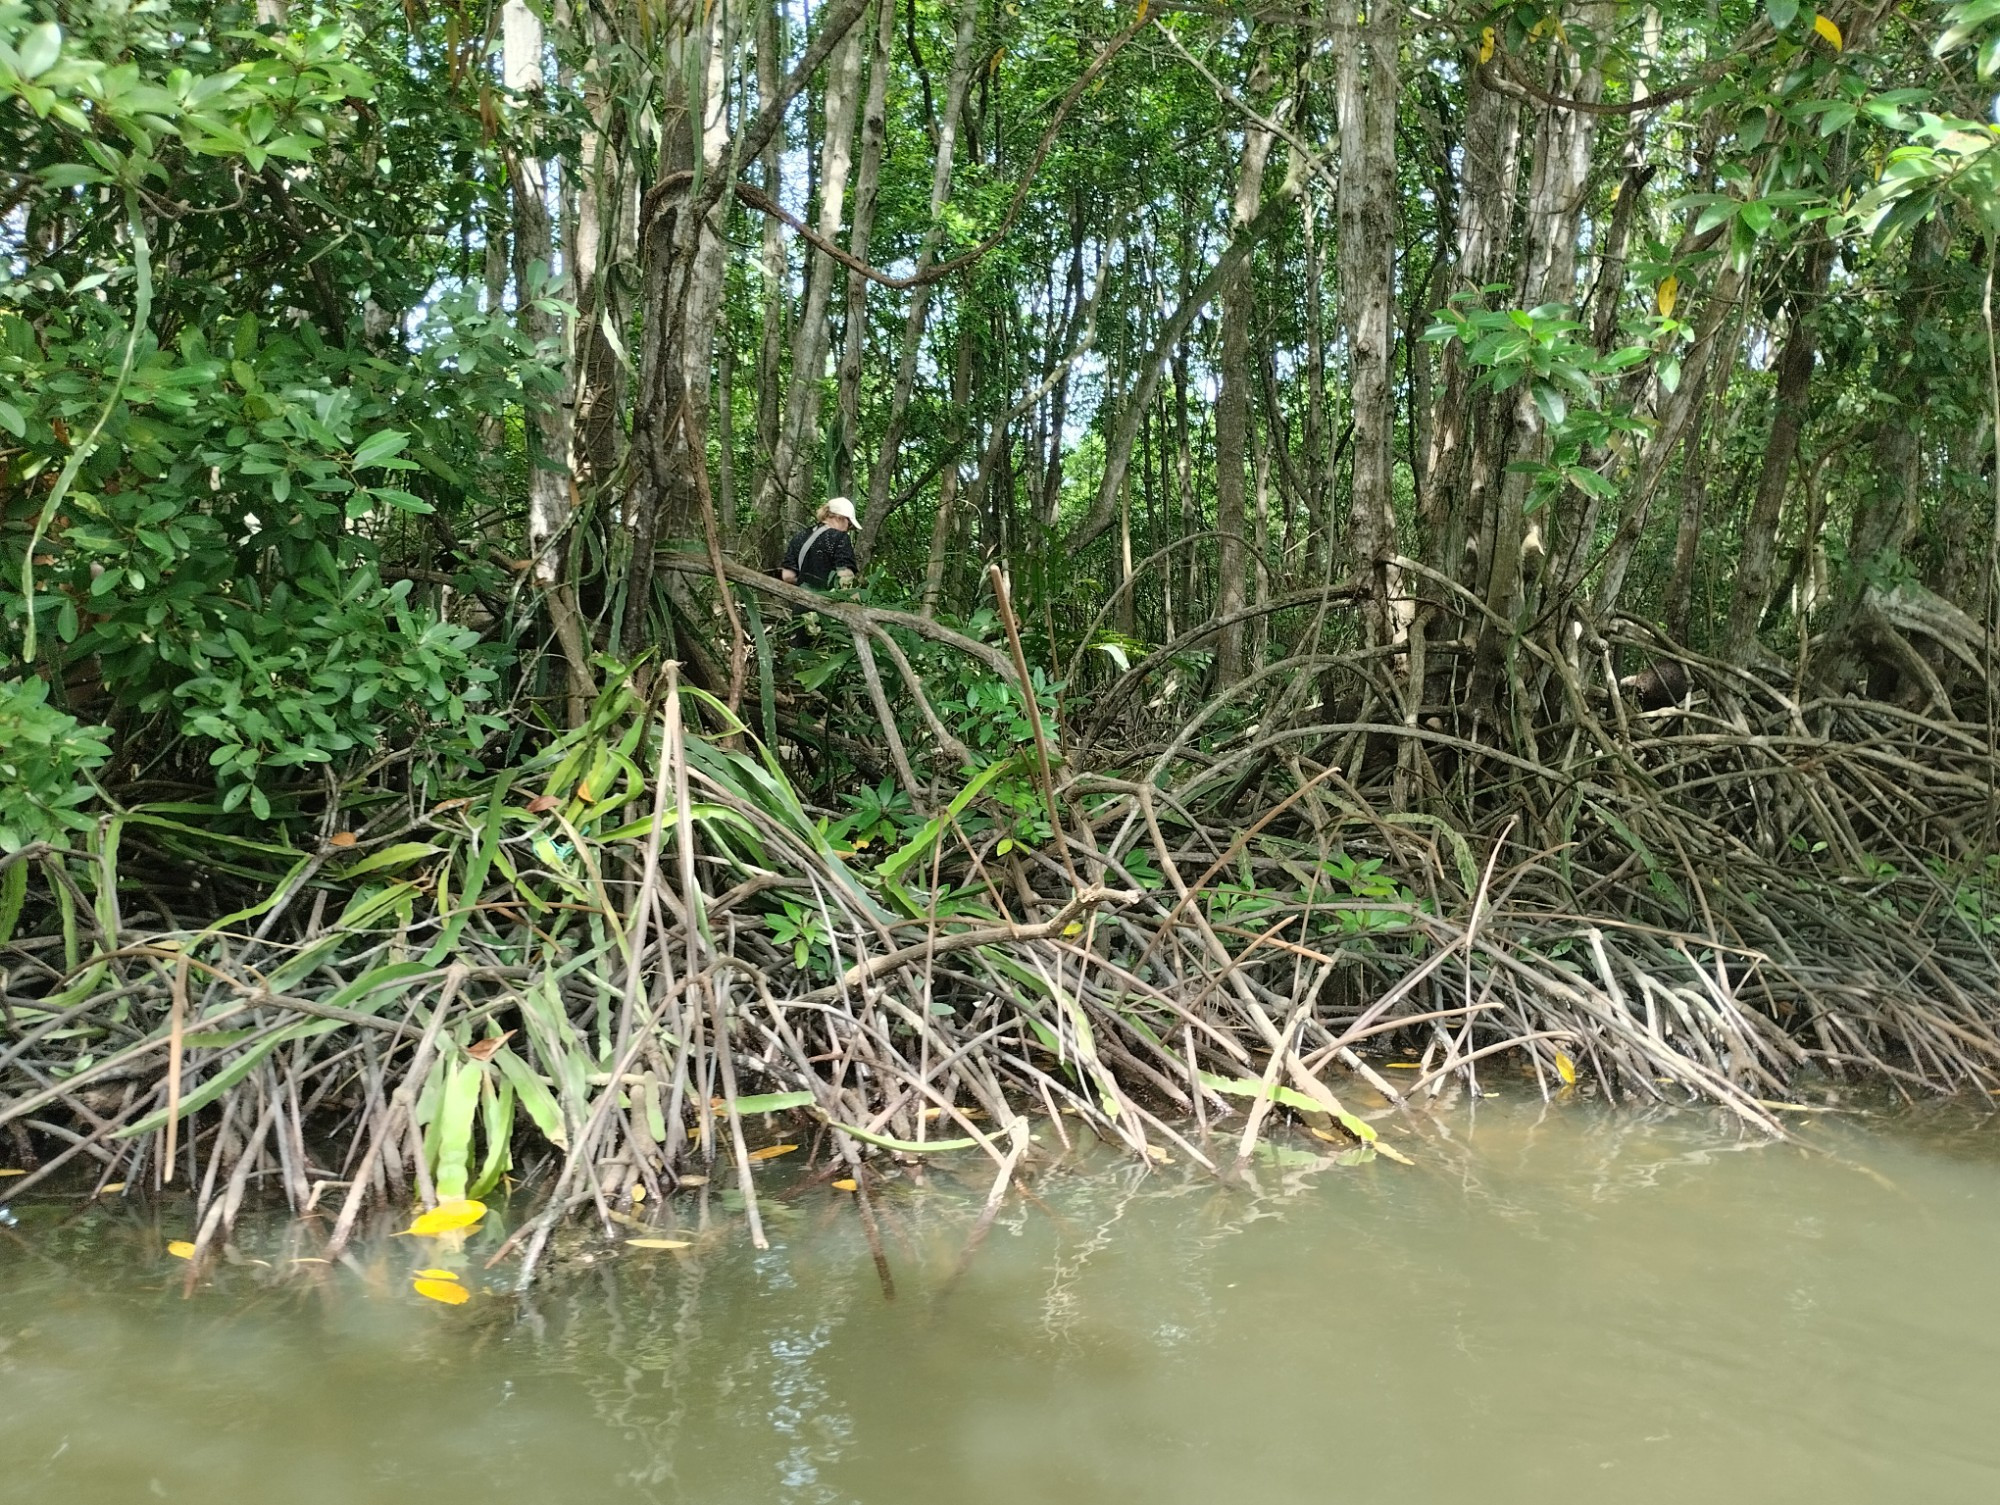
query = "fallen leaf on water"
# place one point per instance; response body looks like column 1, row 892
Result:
column 658, row 1243
column 180, row 1248
column 13, row 1171
column 112, row 1190
column 482, row 1050
column 307, row 1259
column 694, row 1181
column 1566, row 1069
column 772, row 1151
column 638, row 1193
column 450, row 1292
column 342, row 839
column 447, row 1217
column 436, row 1275
column 1159, row 1155
column 1328, row 1137
column 1404, row 1065
column 844, row 1185
column 625, row 1218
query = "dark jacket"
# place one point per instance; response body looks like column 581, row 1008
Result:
column 815, row 559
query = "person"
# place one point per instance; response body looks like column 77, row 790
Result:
column 823, row 554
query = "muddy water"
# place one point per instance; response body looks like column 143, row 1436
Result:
column 1556, row 1304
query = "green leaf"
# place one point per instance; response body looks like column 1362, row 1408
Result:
column 461, row 1102
column 907, row 1146
column 381, row 445
column 39, row 49
column 400, row 855
column 1782, row 12
column 774, row 1102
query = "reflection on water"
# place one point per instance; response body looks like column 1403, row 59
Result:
column 1554, row 1304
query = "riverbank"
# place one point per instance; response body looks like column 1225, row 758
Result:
column 604, row 969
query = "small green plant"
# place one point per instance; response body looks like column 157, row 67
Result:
column 803, row 928
column 46, row 758
column 880, row 816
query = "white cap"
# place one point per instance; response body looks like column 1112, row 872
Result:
column 840, row 506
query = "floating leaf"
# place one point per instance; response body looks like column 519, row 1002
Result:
column 1828, row 30
column 449, row 1292
column 844, row 1184
column 658, row 1243
column 694, row 1181
column 447, row 1217
column 180, row 1248
column 112, row 1190
column 1566, row 1069
column 13, row 1171
column 1665, row 296
column 772, row 1151
column 437, row 1275
column 638, row 1193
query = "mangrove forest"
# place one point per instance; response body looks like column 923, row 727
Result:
column 586, row 587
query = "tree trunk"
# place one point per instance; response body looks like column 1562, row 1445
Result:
column 867, row 183
column 773, row 269
column 1232, row 404
column 789, row 482
column 1789, row 407
column 882, row 478
column 1367, row 98
column 664, row 494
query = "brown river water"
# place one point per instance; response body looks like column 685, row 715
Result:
column 1556, row 1303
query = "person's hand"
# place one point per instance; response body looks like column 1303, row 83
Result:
column 844, row 579
column 790, row 577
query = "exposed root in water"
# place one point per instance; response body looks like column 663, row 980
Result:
column 616, row 962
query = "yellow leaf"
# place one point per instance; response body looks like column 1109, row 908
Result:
column 1143, row 4
column 1486, row 43
column 638, row 1193
column 1382, row 1147
column 447, row 1217
column 436, row 1275
column 1828, row 30
column 658, row 1243
column 15, row 1171
column 694, row 1181
column 112, row 1190
column 1159, row 1156
column 1072, row 930
column 180, row 1248
column 450, row 1292
column 772, row 1151
column 1404, row 1065
column 1323, row 1134
column 845, row 1185
column 1566, row 1069
column 1666, row 295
